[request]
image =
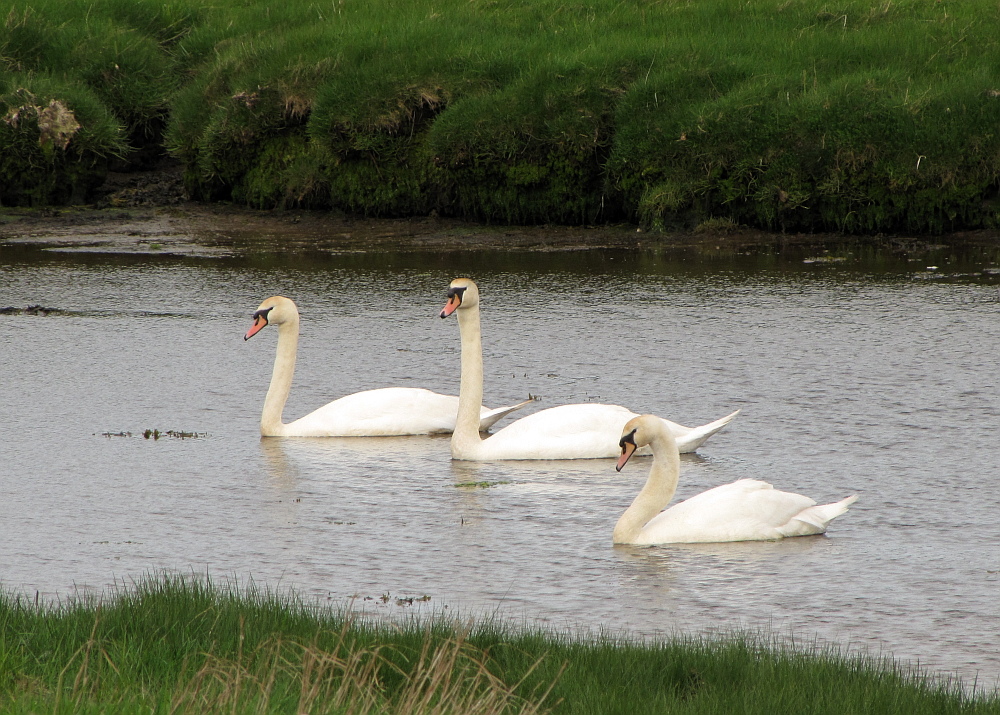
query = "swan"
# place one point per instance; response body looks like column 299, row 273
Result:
column 388, row 411
column 582, row 431
column 745, row 510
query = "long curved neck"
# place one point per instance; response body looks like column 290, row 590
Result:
column 281, row 379
column 465, row 439
column 657, row 492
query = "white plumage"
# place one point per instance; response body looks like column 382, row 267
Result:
column 745, row 510
column 386, row 411
column 582, row 431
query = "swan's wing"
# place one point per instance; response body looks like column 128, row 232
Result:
column 581, row 431
column 815, row 519
column 386, row 411
column 488, row 418
column 390, row 411
column 584, row 431
column 690, row 438
column 745, row 510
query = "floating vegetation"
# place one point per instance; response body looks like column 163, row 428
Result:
column 30, row 310
column 408, row 600
column 479, row 485
column 399, row 600
column 155, row 434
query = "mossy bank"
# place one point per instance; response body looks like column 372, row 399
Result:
column 797, row 115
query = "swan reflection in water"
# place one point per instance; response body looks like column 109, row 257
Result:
column 287, row 459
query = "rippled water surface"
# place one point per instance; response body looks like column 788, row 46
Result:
column 874, row 376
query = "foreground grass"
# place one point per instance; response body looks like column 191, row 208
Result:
column 798, row 114
column 176, row 645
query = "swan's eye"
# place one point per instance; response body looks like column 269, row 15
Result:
column 627, row 439
column 262, row 313
column 456, row 293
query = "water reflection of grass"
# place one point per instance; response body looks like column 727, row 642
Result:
column 182, row 645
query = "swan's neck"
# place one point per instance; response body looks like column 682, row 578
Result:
column 657, row 492
column 465, row 440
column 281, row 379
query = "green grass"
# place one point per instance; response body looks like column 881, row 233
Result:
column 171, row 644
column 782, row 114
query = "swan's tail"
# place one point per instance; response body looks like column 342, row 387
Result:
column 814, row 519
column 690, row 438
column 488, row 419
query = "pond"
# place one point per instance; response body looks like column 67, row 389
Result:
column 859, row 371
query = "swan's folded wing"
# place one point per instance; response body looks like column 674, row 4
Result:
column 690, row 438
column 384, row 411
column 815, row 519
column 488, row 418
column 744, row 510
column 583, row 431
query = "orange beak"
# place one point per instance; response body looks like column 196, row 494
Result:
column 451, row 306
column 628, row 449
column 259, row 322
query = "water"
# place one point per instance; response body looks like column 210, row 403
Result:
column 871, row 375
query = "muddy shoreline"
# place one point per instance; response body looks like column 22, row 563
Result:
column 222, row 224
column 148, row 212
column 189, row 224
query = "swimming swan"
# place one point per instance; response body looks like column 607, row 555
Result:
column 383, row 412
column 583, row 431
column 745, row 510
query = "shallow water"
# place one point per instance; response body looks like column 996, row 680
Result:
column 866, row 374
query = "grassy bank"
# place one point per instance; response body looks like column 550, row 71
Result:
column 784, row 114
column 180, row 645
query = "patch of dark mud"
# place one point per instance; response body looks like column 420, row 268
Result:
column 161, row 186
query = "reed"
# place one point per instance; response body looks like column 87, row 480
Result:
column 171, row 644
column 793, row 114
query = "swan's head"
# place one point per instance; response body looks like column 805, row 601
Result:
column 277, row 309
column 638, row 432
column 462, row 293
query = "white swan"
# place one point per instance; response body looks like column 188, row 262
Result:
column 584, row 431
column 745, row 510
column 387, row 411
